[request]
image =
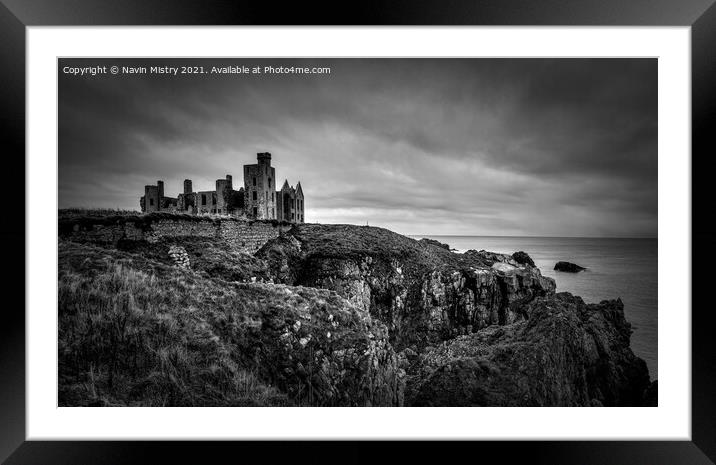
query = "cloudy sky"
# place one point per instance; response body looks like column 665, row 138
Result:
column 535, row 147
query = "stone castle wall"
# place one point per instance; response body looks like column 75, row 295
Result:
column 243, row 235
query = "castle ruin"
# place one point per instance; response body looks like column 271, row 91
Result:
column 257, row 199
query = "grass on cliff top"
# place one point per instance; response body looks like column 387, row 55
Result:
column 212, row 256
column 133, row 331
column 349, row 241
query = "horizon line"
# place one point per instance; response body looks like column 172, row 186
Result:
column 540, row 237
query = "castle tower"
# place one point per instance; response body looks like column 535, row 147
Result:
column 224, row 188
column 187, row 186
column 283, row 202
column 299, row 203
column 260, row 188
column 153, row 195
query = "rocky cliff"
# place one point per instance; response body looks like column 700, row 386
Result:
column 421, row 290
column 565, row 353
column 332, row 315
column 133, row 331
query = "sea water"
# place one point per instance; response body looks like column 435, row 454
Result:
column 625, row 268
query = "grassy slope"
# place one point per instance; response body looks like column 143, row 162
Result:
column 211, row 256
column 133, row 331
column 350, row 241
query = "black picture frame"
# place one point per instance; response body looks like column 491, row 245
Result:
column 16, row 15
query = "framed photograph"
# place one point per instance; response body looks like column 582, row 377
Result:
column 465, row 223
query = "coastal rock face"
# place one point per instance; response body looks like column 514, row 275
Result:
column 568, row 267
column 423, row 292
column 331, row 315
column 565, row 353
column 324, row 352
column 140, row 332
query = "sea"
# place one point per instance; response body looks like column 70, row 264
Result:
column 625, row 268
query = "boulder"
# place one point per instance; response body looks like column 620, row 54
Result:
column 566, row 353
column 522, row 258
column 568, row 267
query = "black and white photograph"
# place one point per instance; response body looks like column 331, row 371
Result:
column 388, row 232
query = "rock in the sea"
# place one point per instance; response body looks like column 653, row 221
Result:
column 568, row 267
column 522, row 258
column 567, row 353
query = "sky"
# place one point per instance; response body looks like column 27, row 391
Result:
column 505, row 147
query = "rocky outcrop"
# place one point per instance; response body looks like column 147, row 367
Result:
column 490, row 258
column 564, row 353
column 522, row 258
column 321, row 351
column 423, row 292
column 568, row 267
column 442, row 245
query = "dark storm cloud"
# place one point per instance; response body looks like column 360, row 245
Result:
column 555, row 147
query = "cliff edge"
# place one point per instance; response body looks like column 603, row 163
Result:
column 330, row 315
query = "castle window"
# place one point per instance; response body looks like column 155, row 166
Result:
column 254, row 181
column 256, row 211
column 151, row 201
column 203, row 199
column 269, row 182
column 272, row 197
column 255, row 196
column 273, row 213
